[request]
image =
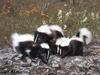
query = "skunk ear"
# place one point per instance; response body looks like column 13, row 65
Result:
column 78, row 34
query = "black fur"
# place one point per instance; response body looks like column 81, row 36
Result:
column 36, row 51
column 50, row 39
column 24, row 46
column 53, row 49
column 65, row 51
column 42, row 37
column 78, row 34
column 75, row 48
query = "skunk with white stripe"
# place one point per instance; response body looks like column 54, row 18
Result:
column 31, row 50
column 74, row 45
column 25, row 47
column 48, row 33
column 82, row 38
column 71, row 47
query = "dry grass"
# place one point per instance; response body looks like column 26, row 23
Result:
column 25, row 16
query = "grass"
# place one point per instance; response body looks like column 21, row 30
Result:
column 16, row 17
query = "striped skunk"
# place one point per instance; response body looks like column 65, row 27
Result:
column 24, row 45
column 74, row 46
column 48, row 34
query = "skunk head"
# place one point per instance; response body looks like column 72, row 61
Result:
column 44, row 52
column 57, row 31
column 85, row 34
column 71, row 46
column 64, row 47
column 61, row 43
column 43, row 34
column 41, row 51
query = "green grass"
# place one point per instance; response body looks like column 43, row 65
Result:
column 28, row 22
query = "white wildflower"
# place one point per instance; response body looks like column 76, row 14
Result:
column 84, row 20
column 97, row 15
column 44, row 22
column 59, row 15
column 68, row 14
column 93, row 15
column 65, row 26
column 65, row 5
column 84, row 13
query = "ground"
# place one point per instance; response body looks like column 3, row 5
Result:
column 89, row 64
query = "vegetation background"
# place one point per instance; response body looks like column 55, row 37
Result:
column 24, row 16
